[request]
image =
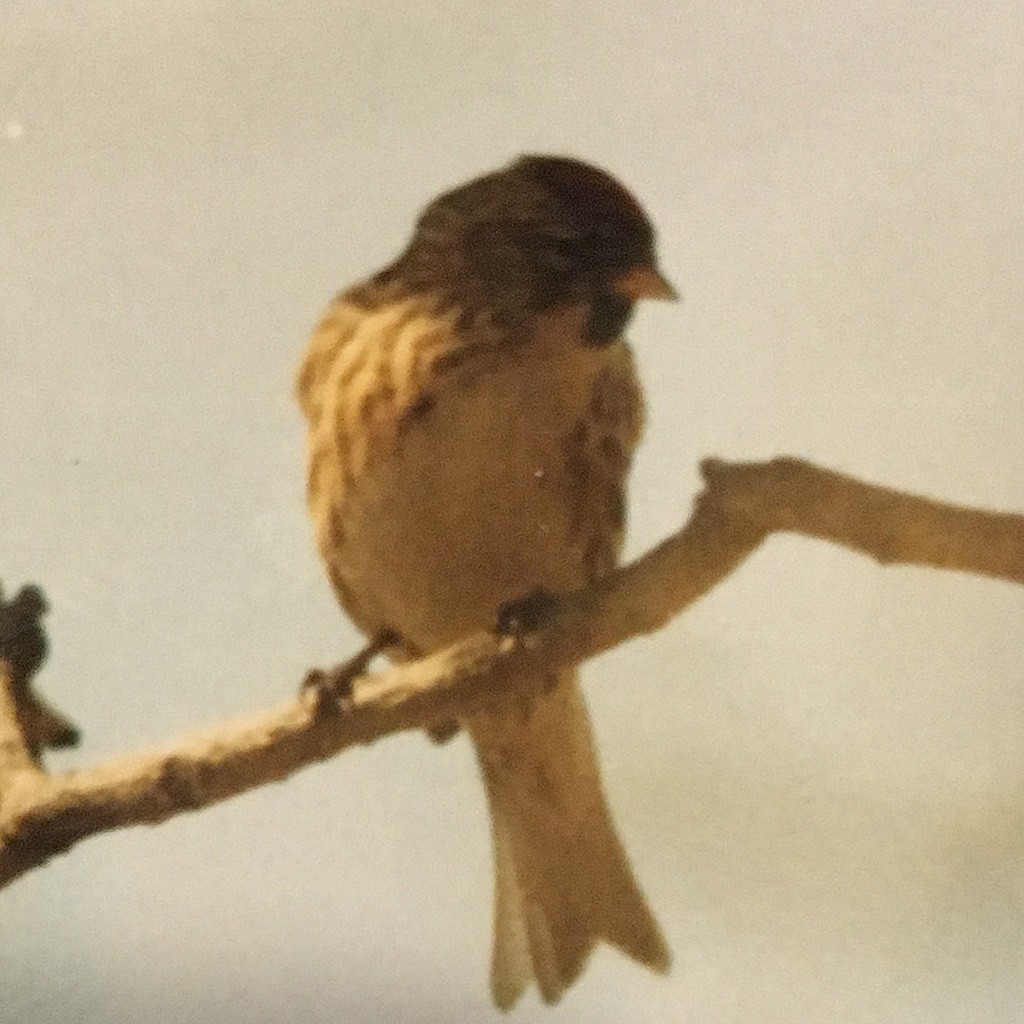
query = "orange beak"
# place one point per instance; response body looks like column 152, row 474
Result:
column 643, row 281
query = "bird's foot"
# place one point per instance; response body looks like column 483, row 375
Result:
column 517, row 620
column 330, row 690
column 526, row 614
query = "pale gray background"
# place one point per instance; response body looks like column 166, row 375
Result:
column 818, row 770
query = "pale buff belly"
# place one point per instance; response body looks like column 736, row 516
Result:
column 480, row 502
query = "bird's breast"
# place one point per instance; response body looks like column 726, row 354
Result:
column 476, row 485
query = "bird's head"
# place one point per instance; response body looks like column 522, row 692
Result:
column 592, row 228
column 542, row 231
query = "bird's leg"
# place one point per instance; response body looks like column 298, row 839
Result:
column 331, row 689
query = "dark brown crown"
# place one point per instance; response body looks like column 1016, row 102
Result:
column 542, row 231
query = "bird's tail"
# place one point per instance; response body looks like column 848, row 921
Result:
column 562, row 880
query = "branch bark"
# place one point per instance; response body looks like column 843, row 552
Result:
column 45, row 814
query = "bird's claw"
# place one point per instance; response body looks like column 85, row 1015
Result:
column 330, row 690
column 526, row 614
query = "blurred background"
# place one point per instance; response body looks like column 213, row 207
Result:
column 818, row 770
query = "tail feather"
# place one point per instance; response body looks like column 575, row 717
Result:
column 562, row 880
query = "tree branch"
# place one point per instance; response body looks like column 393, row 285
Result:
column 42, row 815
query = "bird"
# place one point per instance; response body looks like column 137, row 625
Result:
column 472, row 410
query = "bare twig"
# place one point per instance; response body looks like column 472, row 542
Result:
column 789, row 494
column 42, row 815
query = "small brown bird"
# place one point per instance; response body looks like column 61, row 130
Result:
column 473, row 409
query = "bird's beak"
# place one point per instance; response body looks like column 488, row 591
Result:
column 643, row 281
